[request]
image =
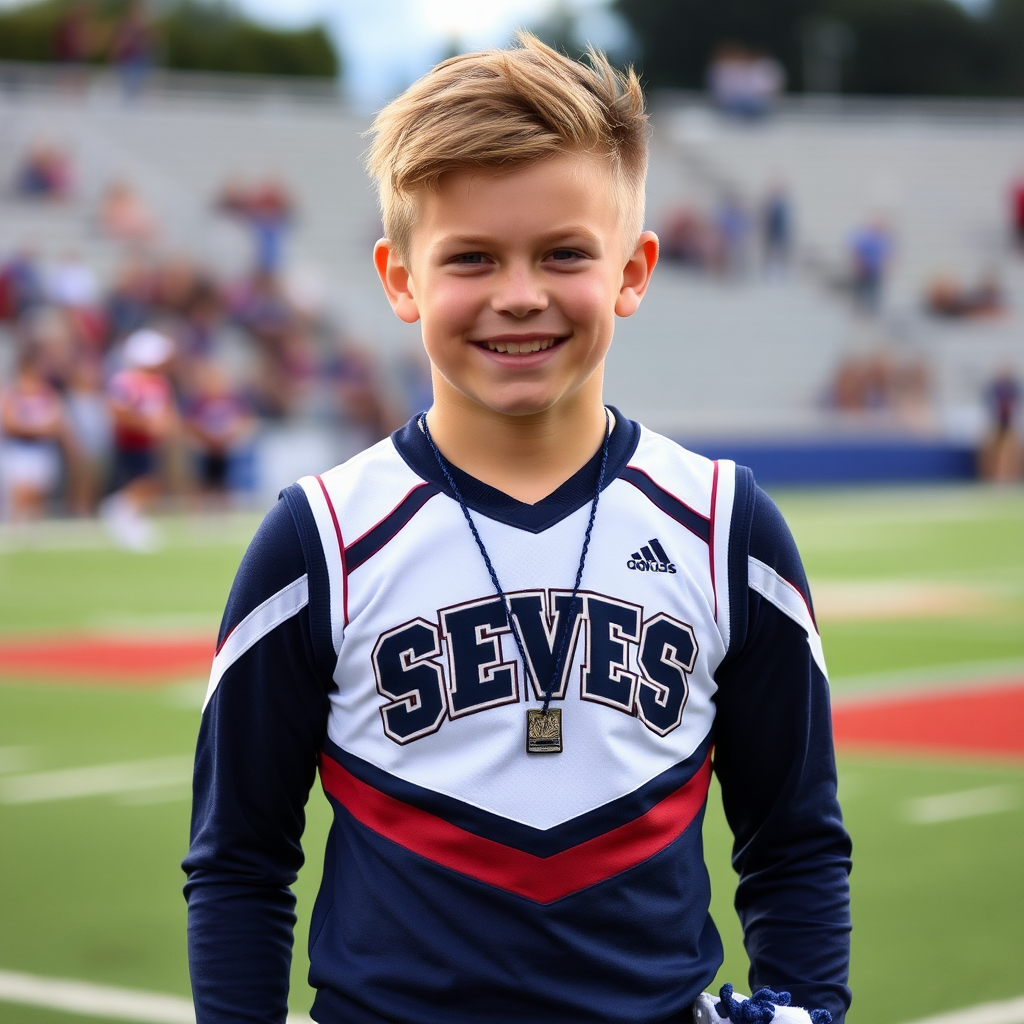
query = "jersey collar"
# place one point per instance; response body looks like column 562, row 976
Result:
column 488, row 501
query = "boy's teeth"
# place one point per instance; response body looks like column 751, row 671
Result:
column 520, row 347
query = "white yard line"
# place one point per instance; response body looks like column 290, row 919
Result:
column 1011, row 1011
column 885, row 599
column 16, row 759
column 89, row 1000
column 97, row 780
column 968, row 803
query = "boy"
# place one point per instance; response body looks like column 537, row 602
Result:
column 510, row 633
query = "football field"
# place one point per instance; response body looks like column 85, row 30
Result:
column 920, row 598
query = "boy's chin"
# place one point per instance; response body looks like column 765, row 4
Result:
column 518, row 406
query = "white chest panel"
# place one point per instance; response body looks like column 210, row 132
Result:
column 417, row 612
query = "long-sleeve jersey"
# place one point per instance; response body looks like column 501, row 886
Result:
column 466, row 879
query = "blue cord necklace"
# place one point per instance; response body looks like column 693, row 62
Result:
column 543, row 725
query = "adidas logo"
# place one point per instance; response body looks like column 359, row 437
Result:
column 652, row 557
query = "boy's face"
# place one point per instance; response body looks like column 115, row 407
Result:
column 517, row 279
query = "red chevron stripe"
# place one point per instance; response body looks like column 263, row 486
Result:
column 542, row 879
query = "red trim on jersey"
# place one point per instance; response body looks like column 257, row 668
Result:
column 541, row 879
column 225, row 640
column 711, row 535
column 341, row 548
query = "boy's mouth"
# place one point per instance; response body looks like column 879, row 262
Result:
column 520, row 346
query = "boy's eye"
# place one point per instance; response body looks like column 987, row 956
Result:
column 563, row 255
column 469, row 258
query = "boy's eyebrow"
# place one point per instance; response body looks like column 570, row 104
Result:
column 571, row 231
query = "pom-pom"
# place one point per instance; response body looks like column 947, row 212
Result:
column 756, row 1010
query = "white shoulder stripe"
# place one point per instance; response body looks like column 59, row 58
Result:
column 255, row 626
column 781, row 593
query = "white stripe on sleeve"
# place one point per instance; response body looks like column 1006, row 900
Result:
column 255, row 626
column 781, row 593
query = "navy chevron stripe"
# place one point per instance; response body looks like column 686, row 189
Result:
column 668, row 503
column 388, row 528
column 539, row 842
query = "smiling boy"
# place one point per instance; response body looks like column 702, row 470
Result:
column 511, row 634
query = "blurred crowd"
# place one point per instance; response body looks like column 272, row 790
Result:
column 731, row 239
column 158, row 381
column 85, row 33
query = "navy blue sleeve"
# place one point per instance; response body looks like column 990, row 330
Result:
column 774, row 758
column 256, row 761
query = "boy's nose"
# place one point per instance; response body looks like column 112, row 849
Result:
column 519, row 293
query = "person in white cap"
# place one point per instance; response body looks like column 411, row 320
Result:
column 144, row 416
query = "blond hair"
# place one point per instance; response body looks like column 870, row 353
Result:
column 503, row 109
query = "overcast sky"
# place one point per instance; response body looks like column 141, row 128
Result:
column 388, row 43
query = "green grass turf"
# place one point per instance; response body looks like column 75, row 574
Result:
column 91, row 888
column 68, row 577
column 965, row 536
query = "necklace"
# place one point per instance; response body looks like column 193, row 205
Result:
column 543, row 725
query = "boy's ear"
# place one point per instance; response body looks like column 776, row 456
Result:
column 397, row 281
column 636, row 275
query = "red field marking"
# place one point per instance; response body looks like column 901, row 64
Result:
column 119, row 661
column 985, row 721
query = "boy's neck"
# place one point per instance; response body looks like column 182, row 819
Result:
column 527, row 457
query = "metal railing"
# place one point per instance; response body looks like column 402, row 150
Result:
column 815, row 106
column 27, row 77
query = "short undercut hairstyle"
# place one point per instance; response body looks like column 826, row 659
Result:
column 503, row 109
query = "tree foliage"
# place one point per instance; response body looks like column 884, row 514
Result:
column 203, row 37
column 899, row 47
column 191, row 35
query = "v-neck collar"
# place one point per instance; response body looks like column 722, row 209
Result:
column 576, row 492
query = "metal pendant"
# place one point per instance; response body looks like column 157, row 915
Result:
column 544, row 731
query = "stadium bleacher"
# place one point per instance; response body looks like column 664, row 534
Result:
column 711, row 359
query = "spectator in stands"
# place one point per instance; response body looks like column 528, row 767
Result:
column 45, row 173
column 360, row 398
column 21, row 285
column 259, row 304
column 776, row 229
column 129, row 303
column 268, row 209
column 34, row 432
column 684, row 238
column 871, row 250
column 124, row 216
column 134, row 49
column 286, row 367
column 144, row 418
column 71, row 285
column 174, row 281
column 202, row 314
column 51, row 334
column 947, row 297
column 271, row 212
column 89, row 423
column 733, row 225
column 1001, row 458
column 218, row 422
column 744, row 82
column 879, row 384
column 72, row 282
column 1017, row 210
column 72, row 40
